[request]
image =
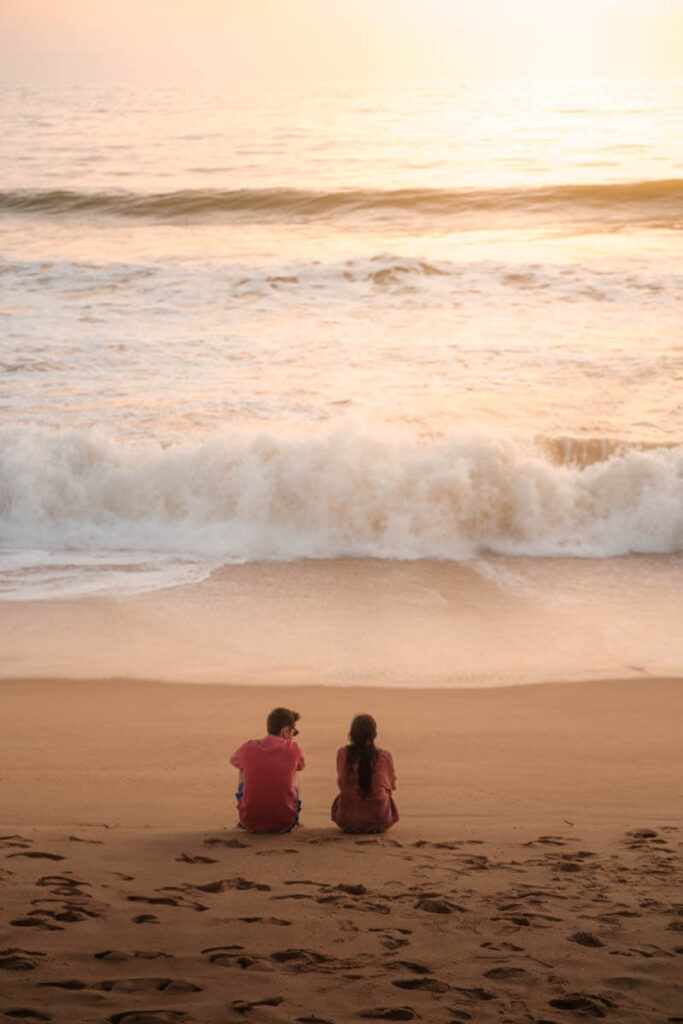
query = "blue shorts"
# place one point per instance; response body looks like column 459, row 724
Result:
column 277, row 832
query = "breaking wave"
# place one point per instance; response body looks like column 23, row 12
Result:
column 351, row 492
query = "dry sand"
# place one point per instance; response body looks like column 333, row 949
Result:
column 534, row 876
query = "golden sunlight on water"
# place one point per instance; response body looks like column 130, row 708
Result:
column 403, row 321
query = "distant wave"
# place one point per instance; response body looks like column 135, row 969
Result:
column 351, row 492
column 645, row 200
column 385, row 279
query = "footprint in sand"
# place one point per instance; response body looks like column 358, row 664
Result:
column 21, row 1013
column 478, row 995
column 298, row 896
column 73, row 985
column 291, row 960
column 233, row 844
column 586, row 939
column 161, row 901
column 502, row 946
column 347, row 926
column 71, row 913
column 628, row 983
column 393, row 937
column 366, row 906
column 642, row 833
column 408, row 965
column 35, row 921
column 594, row 1006
column 171, row 986
column 389, row 1013
column 432, row 906
column 185, row 858
column 422, row 984
column 227, row 956
column 266, row 920
column 352, row 890
column 15, row 842
column 505, row 973
column 273, row 853
column 37, row 855
column 63, row 885
column 149, row 1017
column 232, row 883
column 300, row 959
column 244, row 1006
column 548, row 841
column 317, row 840
column 14, row 959
column 119, row 956
column 438, row 846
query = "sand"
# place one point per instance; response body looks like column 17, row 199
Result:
column 534, row 875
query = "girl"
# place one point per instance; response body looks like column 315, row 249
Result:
column 366, row 778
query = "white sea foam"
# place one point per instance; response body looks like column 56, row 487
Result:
column 350, row 492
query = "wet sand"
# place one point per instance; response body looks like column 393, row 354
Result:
column 535, row 874
column 419, row 624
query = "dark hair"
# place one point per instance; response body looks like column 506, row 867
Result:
column 280, row 718
column 362, row 751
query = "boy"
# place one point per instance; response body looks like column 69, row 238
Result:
column 267, row 799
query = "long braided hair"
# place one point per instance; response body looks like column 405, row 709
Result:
column 362, row 751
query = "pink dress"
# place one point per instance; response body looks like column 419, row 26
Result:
column 375, row 812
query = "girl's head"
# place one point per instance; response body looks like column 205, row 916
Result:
column 363, row 731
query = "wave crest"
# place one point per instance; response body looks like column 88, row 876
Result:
column 643, row 200
column 348, row 493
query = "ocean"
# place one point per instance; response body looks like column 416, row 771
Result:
column 376, row 385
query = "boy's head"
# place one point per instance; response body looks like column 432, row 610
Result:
column 282, row 718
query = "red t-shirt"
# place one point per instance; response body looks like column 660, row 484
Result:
column 269, row 800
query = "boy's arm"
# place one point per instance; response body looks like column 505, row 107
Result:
column 237, row 762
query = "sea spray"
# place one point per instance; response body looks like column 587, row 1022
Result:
column 352, row 491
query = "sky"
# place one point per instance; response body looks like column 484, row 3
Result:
column 265, row 42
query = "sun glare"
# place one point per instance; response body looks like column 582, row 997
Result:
column 305, row 39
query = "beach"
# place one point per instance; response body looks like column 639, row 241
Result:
column 534, row 875
column 348, row 397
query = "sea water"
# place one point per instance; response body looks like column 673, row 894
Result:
column 439, row 322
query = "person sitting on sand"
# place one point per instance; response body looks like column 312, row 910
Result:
column 366, row 778
column 267, row 799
